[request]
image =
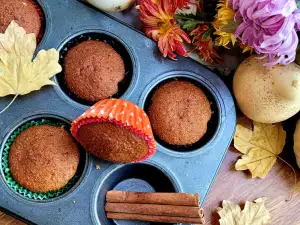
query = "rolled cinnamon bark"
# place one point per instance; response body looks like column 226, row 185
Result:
column 150, row 218
column 201, row 213
column 151, row 209
column 181, row 199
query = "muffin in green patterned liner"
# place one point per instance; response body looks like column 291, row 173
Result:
column 8, row 175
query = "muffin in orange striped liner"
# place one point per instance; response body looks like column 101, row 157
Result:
column 115, row 130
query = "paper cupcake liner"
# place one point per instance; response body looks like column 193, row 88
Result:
column 42, row 18
column 8, row 176
column 122, row 113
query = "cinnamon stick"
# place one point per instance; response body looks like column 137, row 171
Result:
column 151, row 218
column 181, row 199
column 201, row 213
column 151, row 209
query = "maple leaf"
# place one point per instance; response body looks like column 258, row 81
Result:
column 19, row 75
column 260, row 147
column 254, row 213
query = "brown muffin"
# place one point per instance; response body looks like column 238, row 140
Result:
column 179, row 113
column 43, row 158
column 93, row 70
column 23, row 12
column 112, row 142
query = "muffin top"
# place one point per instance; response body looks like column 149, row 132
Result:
column 112, row 142
column 43, row 158
column 179, row 113
column 23, row 12
column 93, row 70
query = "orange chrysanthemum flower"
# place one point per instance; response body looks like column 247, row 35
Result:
column 181, row 3
column 159, row 24
column 204, row 45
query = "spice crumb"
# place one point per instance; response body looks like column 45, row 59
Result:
column 98, row 167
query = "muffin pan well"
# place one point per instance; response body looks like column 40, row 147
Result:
column 140, row 177
column 174, row 170
column 106, row 37
column 43, row 20
column 38, row 120
column 212, row 126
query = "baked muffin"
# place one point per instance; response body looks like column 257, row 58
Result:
column 179, row 113
column 115, row 143
column 43, row 158
column 23, row 12
column 93, row 70
column 115, row 130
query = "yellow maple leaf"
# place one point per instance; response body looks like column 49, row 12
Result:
column 19, row 75
column 260, row 147
column 254, row 213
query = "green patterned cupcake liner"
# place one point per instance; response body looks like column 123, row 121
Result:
column 8, row 176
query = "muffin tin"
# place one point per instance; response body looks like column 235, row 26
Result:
column 172, row 169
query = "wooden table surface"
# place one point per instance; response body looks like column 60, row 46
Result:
column 237, row 186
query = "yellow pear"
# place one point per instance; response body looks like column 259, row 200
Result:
column 267, row 94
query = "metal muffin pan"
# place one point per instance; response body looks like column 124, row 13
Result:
column 66, row 20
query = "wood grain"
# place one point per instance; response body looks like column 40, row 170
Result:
column 8, row 220
column 237, row 186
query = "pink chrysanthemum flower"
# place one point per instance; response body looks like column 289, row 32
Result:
column 269, row 27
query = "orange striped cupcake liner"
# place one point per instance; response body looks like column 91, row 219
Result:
column 122, row 113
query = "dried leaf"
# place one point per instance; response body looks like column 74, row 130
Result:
column 254, row 213
column 19, row 75
column 260, row 147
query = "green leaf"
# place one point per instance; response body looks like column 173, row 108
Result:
column 198, row 16
column 190, row 25
column 189, row 22
column 206, row 33
column 231, row 26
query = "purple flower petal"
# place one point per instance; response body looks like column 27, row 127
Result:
column 269, row 27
